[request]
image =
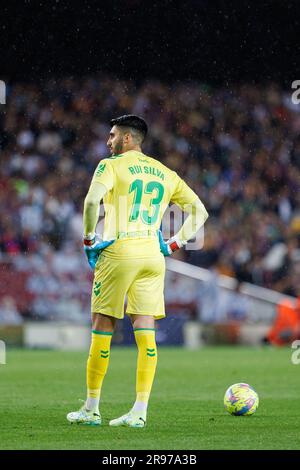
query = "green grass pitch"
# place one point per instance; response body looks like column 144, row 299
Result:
column 38, row 389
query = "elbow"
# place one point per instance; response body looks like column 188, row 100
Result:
column 201, row 210
column 90, row 202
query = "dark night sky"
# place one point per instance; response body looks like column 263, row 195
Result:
column 213, row 41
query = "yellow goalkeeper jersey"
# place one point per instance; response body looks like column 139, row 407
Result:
column 139, row 190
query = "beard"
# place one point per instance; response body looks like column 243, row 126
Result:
column 118, row 148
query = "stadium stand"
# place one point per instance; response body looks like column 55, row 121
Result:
column 238, row 148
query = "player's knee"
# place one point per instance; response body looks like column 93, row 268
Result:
column 142, row 321
column 102, row 322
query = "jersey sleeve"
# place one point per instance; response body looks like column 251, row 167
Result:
column 183, row 194
column 104, row 174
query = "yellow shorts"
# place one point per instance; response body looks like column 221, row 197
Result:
column 142, row 280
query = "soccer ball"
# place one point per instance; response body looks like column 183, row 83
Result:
column 241, row 400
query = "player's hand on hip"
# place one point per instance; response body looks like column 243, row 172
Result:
column 167, row 248
column 93, row 246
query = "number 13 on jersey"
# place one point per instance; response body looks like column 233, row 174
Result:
column 154, row 188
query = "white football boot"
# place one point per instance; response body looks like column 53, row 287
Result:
column 84, row 416
column 132, row 420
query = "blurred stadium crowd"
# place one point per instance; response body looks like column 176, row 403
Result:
column 237, row 147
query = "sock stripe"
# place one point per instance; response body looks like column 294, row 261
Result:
column 105, row 333
column 140, row 329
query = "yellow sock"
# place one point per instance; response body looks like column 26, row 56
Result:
column 146, row 365
column 97, row 365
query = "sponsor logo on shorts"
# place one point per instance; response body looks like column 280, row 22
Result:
column 97, row 288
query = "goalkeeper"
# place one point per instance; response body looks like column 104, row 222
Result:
column 129, row 259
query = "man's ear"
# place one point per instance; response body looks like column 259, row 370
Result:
column 127, row 137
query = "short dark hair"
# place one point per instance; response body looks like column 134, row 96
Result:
column 130, row 120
